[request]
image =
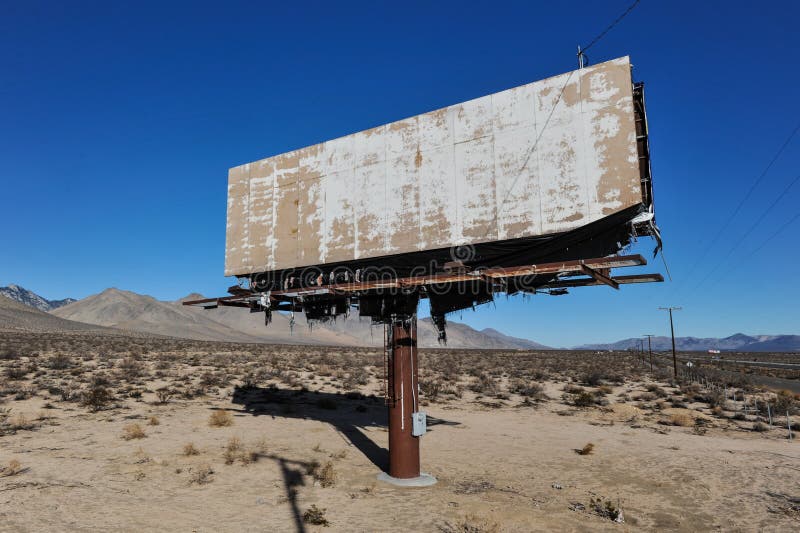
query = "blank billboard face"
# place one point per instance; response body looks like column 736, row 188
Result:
column 538, row 159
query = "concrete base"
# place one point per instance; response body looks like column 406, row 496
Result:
column 424, row 480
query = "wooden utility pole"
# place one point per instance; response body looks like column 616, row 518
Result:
column 672, row 331
column 650, row 349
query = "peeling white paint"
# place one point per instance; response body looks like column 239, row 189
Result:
column 541, row 158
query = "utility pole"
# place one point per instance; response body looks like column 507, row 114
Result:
column 650, row 349
column 672, row 330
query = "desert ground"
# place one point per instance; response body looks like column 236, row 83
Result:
column 102, row 432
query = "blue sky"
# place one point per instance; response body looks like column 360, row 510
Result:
column 118, row 124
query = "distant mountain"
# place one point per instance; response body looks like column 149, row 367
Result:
column 29, row 298
column 458, row 335
column 525, row 344
column 17, row 316
column 738, row 342
column 135, row 312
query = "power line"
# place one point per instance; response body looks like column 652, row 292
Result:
column 742, row 202
column 765, row 242
column 533, row 148
column 750, row 230
column 778, row 232
column 608, row 29
column 560, row 95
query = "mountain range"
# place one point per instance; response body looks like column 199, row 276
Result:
column 18, row 316
column 738, row 342
column 130, row 311
column 17, row 293
column 115, row 309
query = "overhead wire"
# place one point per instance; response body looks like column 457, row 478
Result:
column 610, row 27
column 740, row 240
column 766, row 241
column 533, row 148
column 558, row 99
column 735, row 212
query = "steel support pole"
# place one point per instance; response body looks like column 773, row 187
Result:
column 403, row 399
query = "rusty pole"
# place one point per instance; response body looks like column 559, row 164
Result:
column 403, row 399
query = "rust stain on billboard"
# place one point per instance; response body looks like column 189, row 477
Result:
column 538, row 159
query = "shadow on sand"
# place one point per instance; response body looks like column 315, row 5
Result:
column 348, row 413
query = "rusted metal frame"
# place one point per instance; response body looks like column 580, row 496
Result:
column 617, row 261
column 234, row 303
column 621, row 280
column 494, row 273
column 563, row 267
column 216, row 301
column 600, row 276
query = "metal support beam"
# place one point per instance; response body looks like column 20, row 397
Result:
column 600, row 273
column 621, row 280
column 599, row 276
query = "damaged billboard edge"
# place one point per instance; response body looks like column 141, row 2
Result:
column 552, row 170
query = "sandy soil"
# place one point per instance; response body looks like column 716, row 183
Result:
column 104, row 433
column 514, row 468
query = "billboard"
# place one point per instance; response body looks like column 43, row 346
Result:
column 540, row 159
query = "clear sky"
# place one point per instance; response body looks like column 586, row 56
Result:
column 118, row 122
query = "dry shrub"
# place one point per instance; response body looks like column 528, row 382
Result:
column 164, row 394
column 430, row 388
column 760, row 427
column 785, row 401
column 133, row 431
column 16, row 372
column 202, row 475
column 153, row 421
column 130, row 368
column 527, row 389
column 326, row 475
column 485, row 384
column 60, row 361
column 189, row 449
column 20, row 422
column 715, row 399
column 584, row 399
column 315, row 516
column 680, row 419
column 656, row 390
column 96, row 398
column 235, row 451
column 471, row 524
column 586, row 450
column 606, row 509
column 220, row 418
column 14, row 467
column 357, row 376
